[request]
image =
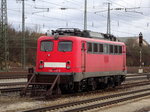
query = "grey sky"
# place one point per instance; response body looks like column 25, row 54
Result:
column 123, row 24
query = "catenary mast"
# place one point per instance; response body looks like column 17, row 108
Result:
column 4, row 48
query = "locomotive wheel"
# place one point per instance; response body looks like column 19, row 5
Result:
column 67, row 88
column 71, row 87
column 102, row 85
column 63, row 88
column 77, row 87
column 117, row 83
column 110, row 82
column 93, row 86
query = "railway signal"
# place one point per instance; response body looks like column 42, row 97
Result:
column 140, row 44
column 140, row 39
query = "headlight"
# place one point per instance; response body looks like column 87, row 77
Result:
column 41, row 66
column 68, row 67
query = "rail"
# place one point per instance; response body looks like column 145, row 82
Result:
column 87, row 107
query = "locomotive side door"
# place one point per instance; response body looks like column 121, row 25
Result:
column 83, row 56
column 124, row 57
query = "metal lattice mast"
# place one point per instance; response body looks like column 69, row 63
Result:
column 85, row 15
column 23, row 39
column 4, row 55
column 108, row 20
column 23, row 36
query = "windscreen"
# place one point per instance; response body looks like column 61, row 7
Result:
column 46, row 46
column 65, row 46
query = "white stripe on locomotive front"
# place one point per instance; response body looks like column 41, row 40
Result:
column 55, row 64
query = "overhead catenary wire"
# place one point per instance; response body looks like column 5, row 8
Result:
column 94, row 27
column 90, row 13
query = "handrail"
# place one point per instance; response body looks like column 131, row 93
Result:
column 56, row 81
column 23, row 92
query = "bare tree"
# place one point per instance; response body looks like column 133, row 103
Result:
column 133, row 55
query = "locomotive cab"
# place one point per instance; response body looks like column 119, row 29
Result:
column 55, row 56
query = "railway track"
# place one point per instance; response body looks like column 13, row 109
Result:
column 143, row 76
column 13, row 76
column 18, row 89
column 17, row 75
column 136, row 75
column 134, row 84
column 13, row 84
column 97, row 102
column 8, row 90
column 92, row 104
column 135, row 79
column 10, row 85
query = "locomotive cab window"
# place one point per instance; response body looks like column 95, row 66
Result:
column 65, row 46
column 46, row 46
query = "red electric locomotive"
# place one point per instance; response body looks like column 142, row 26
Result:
column 74, row 60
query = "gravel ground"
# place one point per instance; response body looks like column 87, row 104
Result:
column 13, row 102
column 138, row 105
column 146, row 109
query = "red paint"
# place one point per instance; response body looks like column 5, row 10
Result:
column 80, row 60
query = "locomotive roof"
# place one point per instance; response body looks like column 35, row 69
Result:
column 76, row 38
column 81, row 33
